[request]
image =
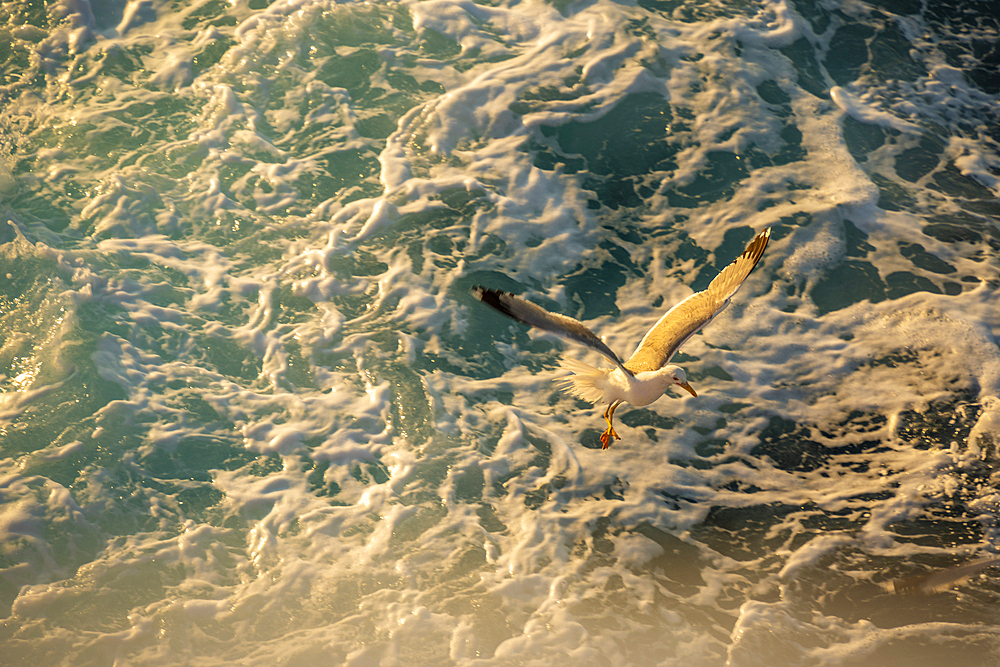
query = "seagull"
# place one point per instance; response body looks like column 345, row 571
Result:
column 644, row 376
column 939, row 580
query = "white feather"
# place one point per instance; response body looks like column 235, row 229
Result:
column 587, row 383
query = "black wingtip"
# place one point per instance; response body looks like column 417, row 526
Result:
column 492, row 298
column 756, row 246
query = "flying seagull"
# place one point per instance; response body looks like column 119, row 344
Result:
column 644, row 376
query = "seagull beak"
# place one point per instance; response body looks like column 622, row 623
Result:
column 688, row 387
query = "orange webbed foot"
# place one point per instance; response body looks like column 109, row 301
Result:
column 606, row 437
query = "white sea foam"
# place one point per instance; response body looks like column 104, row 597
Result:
column 300, row 442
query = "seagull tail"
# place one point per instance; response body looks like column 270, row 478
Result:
column 587, row 383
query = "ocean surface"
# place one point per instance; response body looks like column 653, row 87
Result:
column 251, row 415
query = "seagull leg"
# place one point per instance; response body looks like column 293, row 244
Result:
column 609, row 414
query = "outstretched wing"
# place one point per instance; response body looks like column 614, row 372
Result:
column 690, row 315
column 528, row 313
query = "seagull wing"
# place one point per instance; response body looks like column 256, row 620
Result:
column 690, row 315
column 528, row 313
column 940, row 580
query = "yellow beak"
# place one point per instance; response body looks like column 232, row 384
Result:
column 688, row 387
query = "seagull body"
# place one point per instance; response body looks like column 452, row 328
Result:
column 646, row 375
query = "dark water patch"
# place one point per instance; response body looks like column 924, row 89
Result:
column 771, row 92
column 892, row 196
column 469, row 483
column 298, row 371
column 848, row 53
column 591, row 439
column 667, row 7
column 435, row 45
column 969, row 37
column 352, row 306
column 863, row 423
column 121, row 62
column 404, row 82
column 352, row 71
column 914, row 163
column 715, row 372
column 680, row 562
column 629, row 141
column 901, row 283
column 848, row 283
column 622, row 256
column 164, row 117
column 692, row 11
column 465, row 201
column 211, row 13
column 718, row 180
column 739, row 486
column 210, row 54
column 986, row 72
column 986, row 207
column 376, row 126
column 856, row 241
column 901, row 7
column 862, row 138
column 814, row 12
column 360, row 26
column 491, row 245
column 619, row 142
column 923, row 259
column 290, row 308
column 615, row 490
column 943, row 524
column 358, row 263
column 538, row 98
column 788, row 223
column 548, row 159
column 319, row 485
column 614, row 193
column 952, row 233
column 709, row 448
column 802, row 55
column 33, row 13
column 790, row 447
column 890, row 55
column 950, row 181
column 962, row 227
column 193, row 457
column 593, row 290
column 878, row 49
column 42, row 207
column 489, row 520
column 894, row 359
column 743, row 533
column 637, row 417
column 793, row 150
column 941, row 423
column 411, row 415
column 371, row 472
column 336, row 172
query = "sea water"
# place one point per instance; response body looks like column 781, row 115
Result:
column 250, row 414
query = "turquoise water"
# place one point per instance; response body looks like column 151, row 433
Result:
column 251, row 415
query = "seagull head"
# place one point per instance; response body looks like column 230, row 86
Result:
column 677, row 376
